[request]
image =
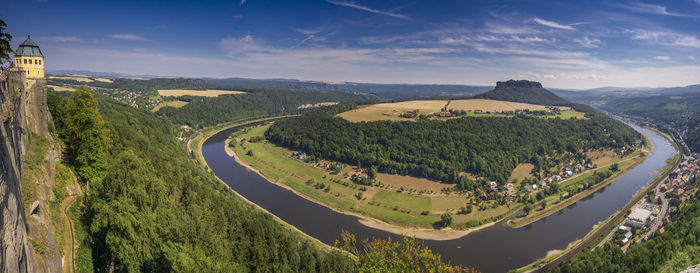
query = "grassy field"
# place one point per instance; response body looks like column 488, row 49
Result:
column 391, row 111
column 522, row 171
column 61, row 88
column 173, row 103
column 333, row 190
column 200, row 93
column 409, row 182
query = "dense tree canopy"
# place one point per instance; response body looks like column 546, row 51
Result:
column 157, row 211
column 441, row 149
column 85, row 135
column 677, row 111
column 210, row 111
column 5, row 49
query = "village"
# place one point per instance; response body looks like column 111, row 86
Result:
column 656, row 210
column 445, row 113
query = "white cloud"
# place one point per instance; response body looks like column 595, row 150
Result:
column 58, row 38
column 128, row 37
column 655, row 9
column 307, row 31
column 242, row 2
column 692, row 58
column 367, row 9
column 663, row 58
column 237, row 16
column 588, row 42
column 552, row 24
column 666, row 38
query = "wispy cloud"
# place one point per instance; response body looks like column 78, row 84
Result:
column 307, row 31
column 656, row 9
column 237, row 16
column 588, row 42
column 242, row 2
column 368, row 9
column 666, row 38
column 662, row 58
column 58, row 38
column 552, row 24
column 128, row 37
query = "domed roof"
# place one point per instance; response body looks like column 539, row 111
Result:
column 28, row 48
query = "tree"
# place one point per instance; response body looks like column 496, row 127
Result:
column 86, row 136
column 446, row 219
column 372, row 173
column 5, row 48
column 614, row 167
column 527, row 208
column 409, row 255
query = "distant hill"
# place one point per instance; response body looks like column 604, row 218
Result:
column 385, row 91
column 523, row 91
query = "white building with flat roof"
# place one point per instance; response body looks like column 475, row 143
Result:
column 638, row 218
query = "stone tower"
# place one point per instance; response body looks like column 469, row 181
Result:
column 28, row 57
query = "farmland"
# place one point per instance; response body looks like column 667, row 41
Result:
column 473, row 107
column 385, row 201
column 172, row 103
column 199, row 93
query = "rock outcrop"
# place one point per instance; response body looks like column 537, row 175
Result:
column 25, row 116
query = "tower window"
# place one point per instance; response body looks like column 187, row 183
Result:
column 28, row 72
column 38, row 73
column 25, row 61
column 39, row 61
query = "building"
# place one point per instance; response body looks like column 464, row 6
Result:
column 28, row 57
column 639, row 218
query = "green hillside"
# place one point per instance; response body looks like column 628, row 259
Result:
column 523, row 91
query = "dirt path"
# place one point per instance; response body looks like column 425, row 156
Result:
column 69, row 237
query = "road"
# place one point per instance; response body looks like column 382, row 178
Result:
column 68, row 243
column 620, row 214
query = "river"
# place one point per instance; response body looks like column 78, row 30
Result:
column 494, row 249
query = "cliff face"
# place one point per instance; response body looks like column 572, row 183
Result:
column 25, row 119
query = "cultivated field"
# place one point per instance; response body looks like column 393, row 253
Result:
column 391, row 111
column 410, row 182
column 493, row 105
column 200, row 93
column 75, row 78
column 173, row 103
column 61, row 88
column 80, row 78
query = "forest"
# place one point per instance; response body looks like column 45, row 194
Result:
column 150, row 209
column 677, row 111
column 145, row 85
column 441, row 149
column 203, row 111
column 672, row 251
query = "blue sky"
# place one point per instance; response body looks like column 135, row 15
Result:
column 565, row 44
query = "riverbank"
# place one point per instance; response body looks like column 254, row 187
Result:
column 197, row 142
column 444, row 234
column 603, row 227
column 554, row 205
